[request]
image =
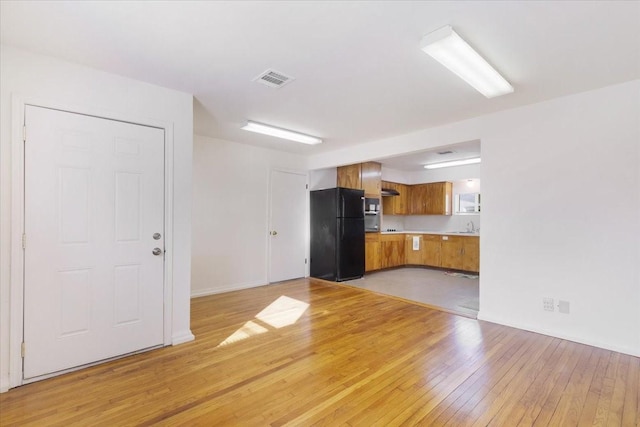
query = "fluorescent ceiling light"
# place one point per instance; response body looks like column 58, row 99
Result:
column 448, row 48
column 281, row 133
column 453, row 163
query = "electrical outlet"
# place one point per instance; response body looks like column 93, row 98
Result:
column 563, row 306
column 547, row 304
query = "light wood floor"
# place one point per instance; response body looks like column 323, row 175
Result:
column 351, row 358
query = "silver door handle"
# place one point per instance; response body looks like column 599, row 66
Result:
column 157, row 236
column 273, row 233
column 157, row 251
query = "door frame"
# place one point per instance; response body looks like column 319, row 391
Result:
column 16, row 303
column 269, row 221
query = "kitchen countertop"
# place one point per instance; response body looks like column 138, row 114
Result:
column 441, row 233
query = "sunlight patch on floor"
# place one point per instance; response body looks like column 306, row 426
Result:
column 282, row 312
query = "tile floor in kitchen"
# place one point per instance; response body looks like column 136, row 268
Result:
column 452, row 291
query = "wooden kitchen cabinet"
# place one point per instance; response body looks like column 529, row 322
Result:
column 471, row 253
column 372, row 252
column 350, row 176
column 431, row 199
column 362, row 176
column 461, row 253
column 396, row 205
column 392, row 250
column 451, row 252
column 432, row 248
column 411, row 256
column 371, row 177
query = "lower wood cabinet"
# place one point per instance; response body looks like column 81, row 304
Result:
column 451, row 252
column 392, row 250
column 411, row 255
column 461, row 253
column 432, row 249
column 435, row 250
column 372, row 252
column 471, row 253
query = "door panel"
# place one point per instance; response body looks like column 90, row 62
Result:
column 94, row 196
column 288, row 222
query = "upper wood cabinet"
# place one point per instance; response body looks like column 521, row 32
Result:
column 362, row 176
column 350, row 176
column 396, row 205
column 431, row 199
column 371, row 179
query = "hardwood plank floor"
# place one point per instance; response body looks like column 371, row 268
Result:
column 308, row 352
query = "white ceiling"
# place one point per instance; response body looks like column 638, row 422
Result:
column 360, row 74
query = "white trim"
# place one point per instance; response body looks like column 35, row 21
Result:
column 16, row 304
column 270, row 210
column 218, row 290
column 555, row 334
column 182, row 338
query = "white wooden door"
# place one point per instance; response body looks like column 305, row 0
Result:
column 94, row 197
column 288, row 228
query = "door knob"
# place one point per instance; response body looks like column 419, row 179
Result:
column 156, row 251
column 157, row 236
column 273, row 233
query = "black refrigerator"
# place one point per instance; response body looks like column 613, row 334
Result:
column 337, row 234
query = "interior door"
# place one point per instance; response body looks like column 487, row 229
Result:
column 288, row 228
column 94, row 201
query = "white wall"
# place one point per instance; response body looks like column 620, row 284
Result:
column 537, row 241
column 231, row 213
column 51, row 80
column 323, row 178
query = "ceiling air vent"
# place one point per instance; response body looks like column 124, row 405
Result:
column 273, row 78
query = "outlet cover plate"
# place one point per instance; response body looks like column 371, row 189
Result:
column 563, row 306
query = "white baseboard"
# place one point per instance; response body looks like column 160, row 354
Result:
column 237, row 287
column 4, row 383
column 594, row 343
column 182, row 338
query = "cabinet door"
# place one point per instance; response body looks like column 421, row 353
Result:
column 438, row 195
column 401, row 202
column 388, row 202
column 371, row 173
column 418, row 199
column 471, row 254
column 371, row 256
column 432, row 249
column 413, row 257
column 350, row 177
column 392, row 248
column 452, row 252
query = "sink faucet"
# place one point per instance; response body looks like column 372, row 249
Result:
column 471, row 228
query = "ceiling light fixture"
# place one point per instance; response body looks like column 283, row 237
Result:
column 448, row 48
column 453, row 163
column 281, row 133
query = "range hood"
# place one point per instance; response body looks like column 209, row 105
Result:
column 389, row 192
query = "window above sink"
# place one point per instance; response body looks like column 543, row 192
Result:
column 466, row 204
